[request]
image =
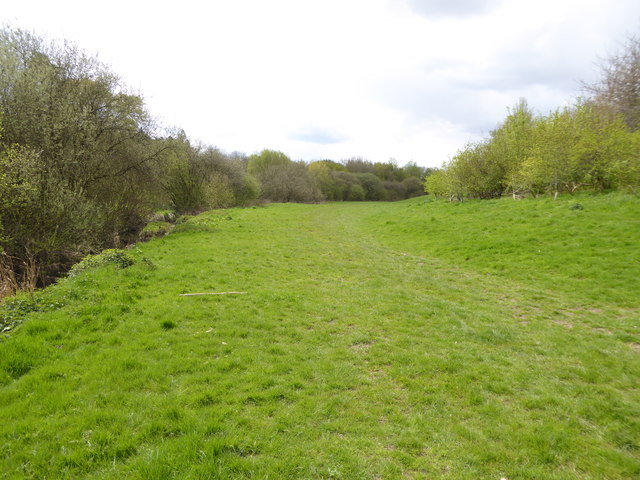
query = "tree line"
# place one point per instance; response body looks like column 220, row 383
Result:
column 354, row 179
column 592, row 145
column 83, row 164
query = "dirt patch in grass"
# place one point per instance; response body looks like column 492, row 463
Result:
column 563, row 323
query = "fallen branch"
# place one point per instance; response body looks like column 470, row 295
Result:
column 212, row 293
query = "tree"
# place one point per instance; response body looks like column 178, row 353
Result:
column 388, row 171
column 412, row 187
column 356, row 193
column 347, row 186
column 322, row 172
column 437, row 183
column 619, row 86
column 477, row 172
column 196, row 178
column 549, row 167
column 260, row 162
column 372, row 185
column 289, row 183
column 395, row 190
column 358, row 165
column 510, row 145
column 90, row 144
column 73, row 110
column 412, row 169
column 605, row 148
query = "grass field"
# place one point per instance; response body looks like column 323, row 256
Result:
column 418, row 339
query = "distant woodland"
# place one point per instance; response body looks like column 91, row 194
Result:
column 84, row 166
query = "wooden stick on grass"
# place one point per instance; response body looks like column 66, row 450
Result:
column 212, row 293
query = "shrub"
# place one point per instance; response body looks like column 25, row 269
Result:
column 119, row 258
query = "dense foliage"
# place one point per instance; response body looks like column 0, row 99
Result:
column 593, row 144
column 82, row 164
column 585, row 146
column 359, row 179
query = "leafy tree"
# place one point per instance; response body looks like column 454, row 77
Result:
column 288, row 183
column 322, row 172
column 477, row 172
column 183, row 180
column 394, row 190
column 603, row 140
column 388, row 171
column 197, row 178
column 244, row 187
column 372, row 185
column 259, row 163
column 359, row 165
column 283, row 180
column 578, row 147
column 549, row 167
column 71, row 109
column 43, row 222
column 380, row 180
column 93, row 138
column 437, row 183
column 328, row 164
column 411, row 169
column 510, row 145
column 412, row 187
column 346, row 186
column 356, row 193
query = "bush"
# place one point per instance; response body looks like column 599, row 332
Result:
column 205, row 222
column 119, row 258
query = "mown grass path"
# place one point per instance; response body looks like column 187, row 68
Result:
column 374, row 341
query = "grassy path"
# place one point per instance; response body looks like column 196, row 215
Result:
column 360, row 351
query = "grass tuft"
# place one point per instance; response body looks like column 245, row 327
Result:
column 169, row 325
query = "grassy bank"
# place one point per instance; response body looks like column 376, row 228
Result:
column 407, row 340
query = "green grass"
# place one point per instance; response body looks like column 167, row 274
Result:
column 409, row 340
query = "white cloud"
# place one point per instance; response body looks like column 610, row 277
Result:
column 335, row 78
column 448, row 8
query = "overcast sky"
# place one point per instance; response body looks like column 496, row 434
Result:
column 404, row 79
